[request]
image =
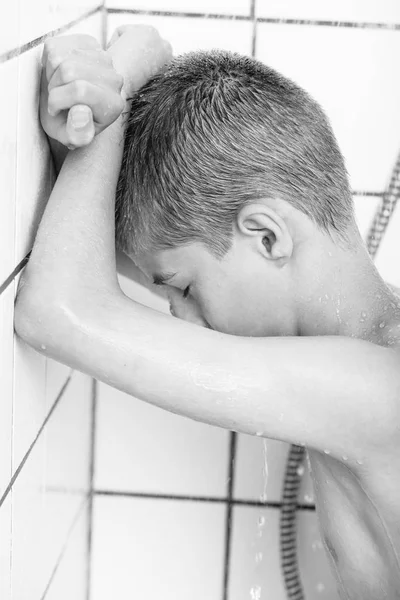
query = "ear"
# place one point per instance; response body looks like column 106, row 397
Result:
column 268, row 229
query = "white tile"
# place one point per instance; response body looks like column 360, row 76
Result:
column 385, row 11
column 231, row 7
column 70, row 578
column 255, row 556
column 90, row 26
column 6, row 384
column 9, row 34
column 50, row 490
column 156, row 451
column 29, row 398
column 351, row 76
column 8, row 127
column 250, row 480
column 67, row 438
column 5, row 548
column 39, row 18
column 186, row 35
column 156, row 548
column 387, row 258
column 56, row 376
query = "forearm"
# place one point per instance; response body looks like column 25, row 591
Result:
column 74, row 251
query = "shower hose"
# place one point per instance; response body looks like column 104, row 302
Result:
column 291, row 484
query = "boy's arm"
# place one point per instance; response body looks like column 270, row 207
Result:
column 332, row 393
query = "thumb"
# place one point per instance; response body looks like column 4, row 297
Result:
column 80, row 127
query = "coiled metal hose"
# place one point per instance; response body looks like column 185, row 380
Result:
column 291, row 485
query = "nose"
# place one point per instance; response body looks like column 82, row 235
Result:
column 185, row 309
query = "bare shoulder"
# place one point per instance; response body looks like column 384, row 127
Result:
column 395, row 289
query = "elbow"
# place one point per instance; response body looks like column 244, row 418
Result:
column 37, row 318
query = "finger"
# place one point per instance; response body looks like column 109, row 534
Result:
column 71, row 70
column 168, row 49
column 56, row 49
column 120, row 30
column 106, row 105
column 80, row 129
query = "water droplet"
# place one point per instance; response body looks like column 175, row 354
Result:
column 363, row 316
column 255, row 592
column 261, row 521
column 359, row 462
column 43, row 347
column 300, row 470
column 320, row 587
column 259, row 557
column 327, row 451
column 345, row 457
column 308, row 498
column 382, row 325
column 259, row 433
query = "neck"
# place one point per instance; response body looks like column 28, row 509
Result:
column 347, row 296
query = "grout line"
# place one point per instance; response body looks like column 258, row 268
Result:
column 229, row 516
column 63, row 549
column 254, row 28
column 91, row 490
column 37, row 41
column 104, row 26
column 14, row 273
column 372, row 194
column 18, row 470
column 321, row 23
column 278, row 21
column 210, row 499
column 182, row 14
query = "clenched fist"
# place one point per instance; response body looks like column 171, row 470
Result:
column 84, row 88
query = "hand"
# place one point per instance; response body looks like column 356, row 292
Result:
column 138, row 52
column 80, row 90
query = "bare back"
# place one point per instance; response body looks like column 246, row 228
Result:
column 358, row 508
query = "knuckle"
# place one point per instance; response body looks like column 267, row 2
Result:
column 84, row 40
column 67, row 71
column 79, row 89
column 53, row 57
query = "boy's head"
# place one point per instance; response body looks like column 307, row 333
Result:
column 229, row 169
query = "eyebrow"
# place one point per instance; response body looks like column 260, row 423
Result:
column 161, row 278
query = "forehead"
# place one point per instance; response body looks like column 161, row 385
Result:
column 183, row 260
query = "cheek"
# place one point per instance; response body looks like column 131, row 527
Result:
column 240, row 310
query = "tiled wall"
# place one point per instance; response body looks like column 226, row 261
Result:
column 176, row 511
column 45, row 410
column 176, row 505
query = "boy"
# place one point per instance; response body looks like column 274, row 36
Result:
column 234, row 196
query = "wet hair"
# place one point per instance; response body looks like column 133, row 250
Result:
column 212, row 132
